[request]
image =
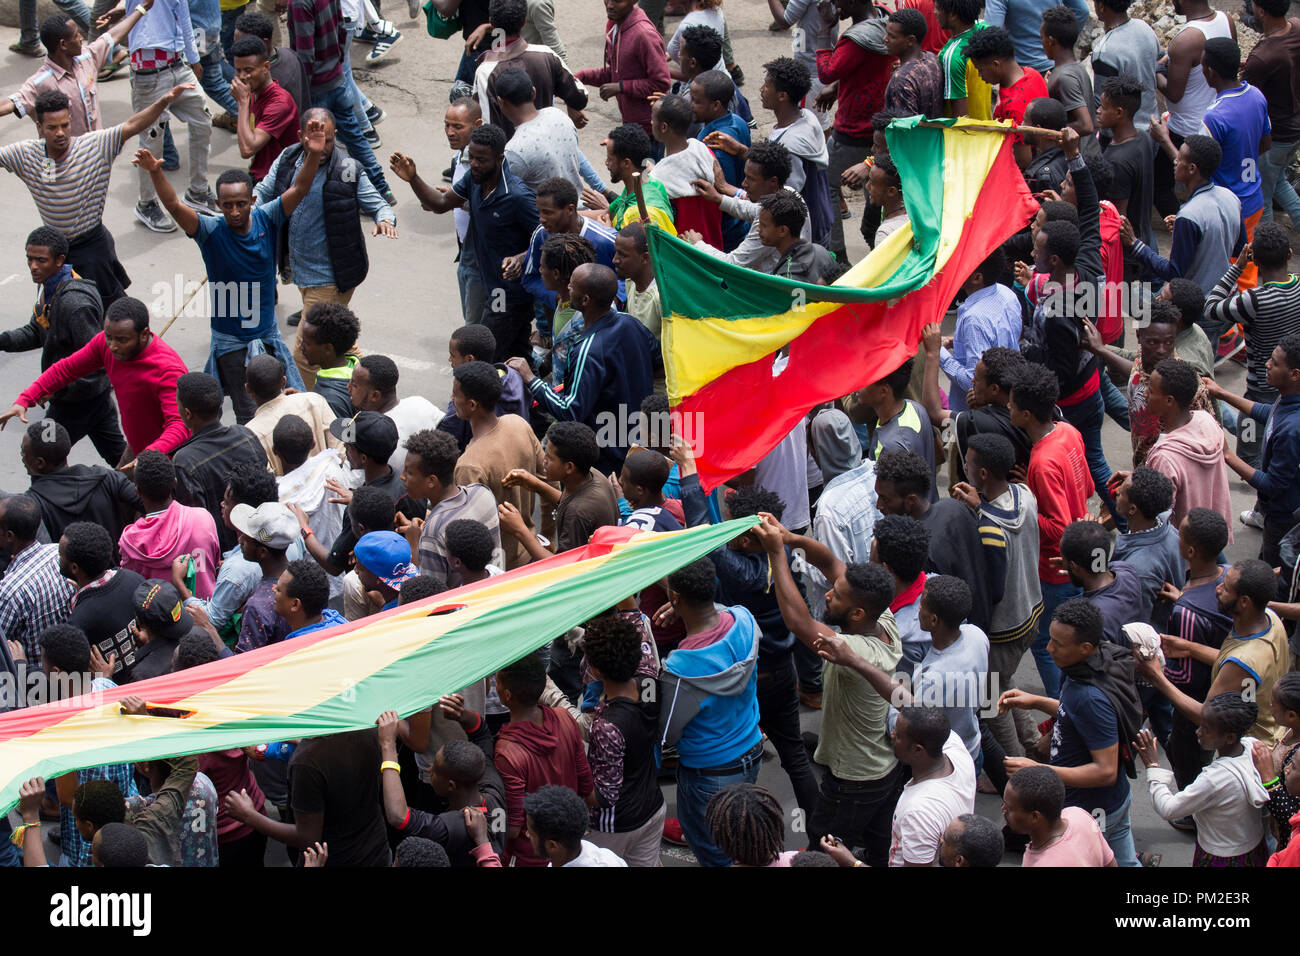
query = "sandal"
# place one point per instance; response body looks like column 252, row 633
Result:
column 111, row 70
column 1150, row 859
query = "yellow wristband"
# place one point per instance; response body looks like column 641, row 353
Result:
column 20, row 833
column 390, row 765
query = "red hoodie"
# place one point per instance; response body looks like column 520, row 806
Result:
column 529, row 757
column 145, row 389
column 635, row 58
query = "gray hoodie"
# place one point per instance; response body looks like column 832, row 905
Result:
column 1016, row 513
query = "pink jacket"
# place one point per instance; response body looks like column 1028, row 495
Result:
column 150, row 545
column 1192, row 458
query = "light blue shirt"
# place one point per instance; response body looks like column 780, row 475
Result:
column 309, row 257
column 166, row 26
column 1021, row 19
column 237, row 579
column 987, row 318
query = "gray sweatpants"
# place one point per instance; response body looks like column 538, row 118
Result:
column 147, row 89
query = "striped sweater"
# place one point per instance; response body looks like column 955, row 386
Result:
column 1268, row 312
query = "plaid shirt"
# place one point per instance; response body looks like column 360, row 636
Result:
column 33, row 596
column 73, row 850
column 316, row 36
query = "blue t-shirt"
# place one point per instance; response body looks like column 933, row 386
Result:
column 1086, row 721
column 733, row 168
column 241, row 271
column 1238, row 120
column 328, row 618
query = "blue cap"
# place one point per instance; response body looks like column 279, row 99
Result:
column 386, row 555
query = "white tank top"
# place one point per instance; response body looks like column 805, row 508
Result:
column 1185, row 116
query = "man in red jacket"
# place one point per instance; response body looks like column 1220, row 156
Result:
column 636, row 63
column 142, row 370
column 539, row 746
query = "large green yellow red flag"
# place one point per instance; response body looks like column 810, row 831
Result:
column 343, row 678
column 725, row 327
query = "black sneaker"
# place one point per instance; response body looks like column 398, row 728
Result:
column 1186, row 824
column 447, row 174
column 294, row 319
column 376, row 115
column 373, row 139
column 737, row 74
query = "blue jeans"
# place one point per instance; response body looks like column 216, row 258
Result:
column 1272, row 174
column 1053, row 596
column 1119, row 833
column 228, row 18
column 1116, row 402
column 1088, row 416
column 29, row 32
column 471, row 286
column 362, row 103
column 215, row 84
column 10, row 855
column 695, row 790
column 171, row 158
column 342, row 104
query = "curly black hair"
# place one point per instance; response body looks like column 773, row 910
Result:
column 948, row 598
column 903, row 545
column 557, row 813
column 907, row 471
column 613, row 647
column 1083, row 618
column 695, row 582
column 787, row 75
column 435, row 452
column 1150, row 492
column 751, row 499
column 333, row 324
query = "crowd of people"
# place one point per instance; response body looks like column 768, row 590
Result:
column 909, row 543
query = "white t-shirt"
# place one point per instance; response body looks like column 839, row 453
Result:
column 544, row 148
column 410, row 415
column 784, row 470
column 925, row 809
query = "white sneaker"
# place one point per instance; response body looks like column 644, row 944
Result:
column 1252, row 519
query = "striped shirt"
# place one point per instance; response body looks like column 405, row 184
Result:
column 69, row 193
column 473, row 502
column 1269, row 311
column 33, row 596
column 316, row 36
column 960, row 78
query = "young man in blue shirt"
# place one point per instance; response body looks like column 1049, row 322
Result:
column 711, row 91
column 239, row 253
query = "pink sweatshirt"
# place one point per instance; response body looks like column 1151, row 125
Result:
column 151, row 544
column 1192, row 458
column 145, row 389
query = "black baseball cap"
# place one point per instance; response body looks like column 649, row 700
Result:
column 374, row 434
column 158, row 606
